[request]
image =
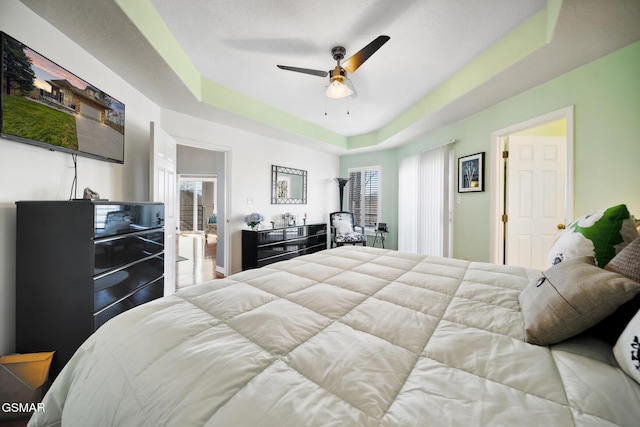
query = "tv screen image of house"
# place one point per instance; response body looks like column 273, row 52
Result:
column 46, row 105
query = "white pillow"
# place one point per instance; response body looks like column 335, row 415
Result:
column 627, row 349
column 342, row 226
column 600, row 235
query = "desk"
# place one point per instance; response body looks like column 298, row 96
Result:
column 379, row 233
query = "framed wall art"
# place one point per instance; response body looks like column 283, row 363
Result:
column 471, row 173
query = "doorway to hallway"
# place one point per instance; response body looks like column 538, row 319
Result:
column 198, row 232
column 532, row 167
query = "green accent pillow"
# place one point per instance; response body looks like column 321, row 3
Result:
column 601, row 235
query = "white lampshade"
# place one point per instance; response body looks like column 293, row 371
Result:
column 338, row 90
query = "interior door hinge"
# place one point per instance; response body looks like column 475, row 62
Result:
column 505, row 218
column 505, row 154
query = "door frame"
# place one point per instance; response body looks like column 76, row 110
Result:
column 498, row 174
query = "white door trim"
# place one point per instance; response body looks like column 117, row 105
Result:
column 497, row 174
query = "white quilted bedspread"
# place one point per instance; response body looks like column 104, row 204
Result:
column 344, row 337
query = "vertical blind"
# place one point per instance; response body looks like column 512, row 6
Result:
column 364, row 196
column 424, row 182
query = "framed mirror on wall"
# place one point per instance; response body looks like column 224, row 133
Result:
column 288, row 186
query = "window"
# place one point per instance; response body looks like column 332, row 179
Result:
column 364, row 195
column 425, row 183
column 197, row 196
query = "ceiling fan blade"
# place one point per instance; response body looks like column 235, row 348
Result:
column 305, row 70
column 363, row 54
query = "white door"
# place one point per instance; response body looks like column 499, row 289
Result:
column 535, row 203
column 163, row 189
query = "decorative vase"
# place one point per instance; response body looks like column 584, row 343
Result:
column 253, row 220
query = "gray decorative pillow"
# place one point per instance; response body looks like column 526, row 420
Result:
column 627, row 262
column 571, row 297
column 627, row 349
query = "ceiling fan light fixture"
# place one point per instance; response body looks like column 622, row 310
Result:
column 341, row 86
column 337, row 89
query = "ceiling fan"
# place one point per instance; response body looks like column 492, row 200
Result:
column 340, row 85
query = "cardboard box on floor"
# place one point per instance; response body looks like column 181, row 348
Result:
column 23, row 382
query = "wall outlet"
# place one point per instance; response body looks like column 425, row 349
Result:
column 459, row 199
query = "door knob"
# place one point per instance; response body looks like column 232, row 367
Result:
column 561, row 227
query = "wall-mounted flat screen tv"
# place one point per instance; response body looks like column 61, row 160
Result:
column 46, row 105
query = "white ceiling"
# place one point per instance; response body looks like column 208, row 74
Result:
column 238, row 44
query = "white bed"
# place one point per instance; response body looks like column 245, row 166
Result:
column 352, row 336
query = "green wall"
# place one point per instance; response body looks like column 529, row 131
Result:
column 606, row 96
column 389, row 192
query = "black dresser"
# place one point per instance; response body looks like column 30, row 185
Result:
column 78, row 264
column 263, row 247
